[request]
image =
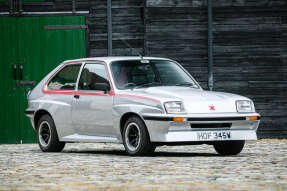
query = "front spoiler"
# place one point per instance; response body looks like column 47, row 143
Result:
column 163, row 129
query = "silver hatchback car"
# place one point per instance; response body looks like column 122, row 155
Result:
column 140, row 102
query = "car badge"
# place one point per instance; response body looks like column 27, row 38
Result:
column 211, row 108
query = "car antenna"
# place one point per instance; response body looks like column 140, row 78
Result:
column 129, row 46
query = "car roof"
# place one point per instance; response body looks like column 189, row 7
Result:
column 110, row 59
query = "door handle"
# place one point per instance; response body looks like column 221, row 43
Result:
column 21, row 71
column 76, row 96
column 15, row 71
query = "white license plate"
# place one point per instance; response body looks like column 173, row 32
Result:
column 213, row 135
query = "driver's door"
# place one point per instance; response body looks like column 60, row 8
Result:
column 92, row 104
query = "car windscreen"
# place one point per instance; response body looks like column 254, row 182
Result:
column 135, row 74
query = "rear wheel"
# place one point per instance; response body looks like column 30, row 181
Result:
column 47, row 135
column 136, row 138
column 228, row 147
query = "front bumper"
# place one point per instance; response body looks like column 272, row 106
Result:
column 161, row 128
column 29, row 113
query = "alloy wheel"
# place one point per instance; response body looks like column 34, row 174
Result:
column 133, row 136
column 44, row 133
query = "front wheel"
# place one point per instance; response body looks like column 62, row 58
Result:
column 136, row 138
column 47, row 135
column 228, row 147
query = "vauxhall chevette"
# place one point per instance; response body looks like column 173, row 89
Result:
column 141, row 102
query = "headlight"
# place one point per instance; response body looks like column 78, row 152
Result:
column 244, row 106
column 174, row 107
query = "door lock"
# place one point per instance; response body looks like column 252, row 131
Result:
column 19, row 80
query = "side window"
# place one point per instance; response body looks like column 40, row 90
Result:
column 94, row 77
column 66, row 79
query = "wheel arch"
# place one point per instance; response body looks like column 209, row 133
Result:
column 38, row 114
column 124, row 118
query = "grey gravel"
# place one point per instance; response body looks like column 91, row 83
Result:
column 261, row 166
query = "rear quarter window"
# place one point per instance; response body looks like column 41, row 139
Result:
column 65, row 79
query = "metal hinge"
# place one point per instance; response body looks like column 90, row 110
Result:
column 62, row 27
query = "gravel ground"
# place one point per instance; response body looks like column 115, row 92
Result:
column 261, row 166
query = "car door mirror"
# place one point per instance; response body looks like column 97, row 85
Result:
column 105, row 87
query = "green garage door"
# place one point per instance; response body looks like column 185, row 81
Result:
column 27, row 53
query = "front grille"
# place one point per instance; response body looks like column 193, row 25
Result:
column 211, row 125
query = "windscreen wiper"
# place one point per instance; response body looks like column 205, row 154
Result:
column 189, row 84
column 129, row 84
column 147, row 84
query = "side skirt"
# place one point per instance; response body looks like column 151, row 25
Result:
column 89, row 139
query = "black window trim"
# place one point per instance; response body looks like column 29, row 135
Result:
column 55, row 74
column 80, row 73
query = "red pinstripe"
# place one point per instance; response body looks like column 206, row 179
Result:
column 94, row 93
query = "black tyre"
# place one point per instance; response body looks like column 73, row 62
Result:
column 47, row 135
column 136, row 138
column 228, row 147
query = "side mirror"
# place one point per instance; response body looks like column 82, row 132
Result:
column 105, row 87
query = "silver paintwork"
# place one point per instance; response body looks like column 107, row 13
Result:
column 97, row 118
column 89, row 138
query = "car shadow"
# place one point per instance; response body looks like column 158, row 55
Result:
column 155, row 154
